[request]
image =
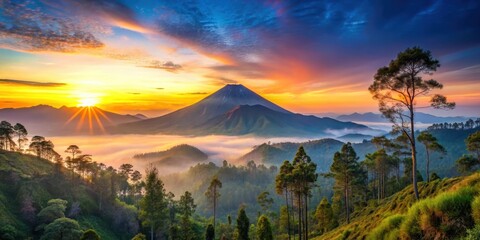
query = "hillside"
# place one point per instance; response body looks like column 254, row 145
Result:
column 27, row 183
column 182, row 155
column 321, row 151
column 403, row 205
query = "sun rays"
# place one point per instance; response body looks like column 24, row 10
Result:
column 89, row 118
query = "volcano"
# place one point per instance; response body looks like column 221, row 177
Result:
column 237, row 110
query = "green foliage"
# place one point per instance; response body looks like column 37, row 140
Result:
column 434, row 177
column 62, row 228
column 140, row 236
column 55, row 209
column 153, row 206
column 349, row 178
column 186, row 207
column 324, row 216
column 8, row 232
column 388, row 229
column 473, row 234
column 476, row 210
column 90, row 234
column 466, row 163
column 210, row 233
column 473, row 143
column 243, row 225
column 264, row 230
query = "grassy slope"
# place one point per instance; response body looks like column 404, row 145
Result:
column 31, row 176
column 364, row 221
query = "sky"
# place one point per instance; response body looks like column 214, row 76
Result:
column 153, row 57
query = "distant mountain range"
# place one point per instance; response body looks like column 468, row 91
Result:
column 49, row 121
column 419, row 117
column 236, row 110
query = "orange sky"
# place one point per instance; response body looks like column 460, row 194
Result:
column 135, row 61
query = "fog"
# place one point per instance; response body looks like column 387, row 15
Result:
column 114, row 150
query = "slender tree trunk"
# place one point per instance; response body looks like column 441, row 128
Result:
column 346, row 202
column 414, row 153
column 293, row 212
column 300, row 217
column 306, row 216
column 151, row 232
column 214, row 209
column 428, row 163
column 288, row 213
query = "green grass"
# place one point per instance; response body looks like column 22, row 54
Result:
column 454, row 198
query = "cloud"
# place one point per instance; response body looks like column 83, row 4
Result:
column 160, row 88
column 220, row 80
column 31, row 83
column 168, row 65
column 194, row 93
column 25, row 27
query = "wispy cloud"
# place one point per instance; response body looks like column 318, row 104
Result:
column 31, row 83
column 25, row 27
column 169, row 66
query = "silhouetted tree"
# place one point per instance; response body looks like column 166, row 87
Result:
column 210, row 233
column 397, row 88
column 282, row 185
column 21, row 134
column 6, row 131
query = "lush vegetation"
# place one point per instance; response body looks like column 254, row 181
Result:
column 351, row 194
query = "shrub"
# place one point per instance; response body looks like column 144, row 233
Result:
column 8, row 232
column 446, row 216
column 476, row 210
column 473, row 234
column 385, row 229
column 90, row 234
column 140, row 236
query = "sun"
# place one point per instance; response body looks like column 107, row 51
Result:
column 88, row 102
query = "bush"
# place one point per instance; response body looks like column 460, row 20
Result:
column 90, row 234
column 388, row 229
column 473, row 234
column 8, row 232
column 446, row 216
column 140, row 236
column 476, row 210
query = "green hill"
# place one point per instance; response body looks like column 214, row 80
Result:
column 27, row 183
column 400, row 215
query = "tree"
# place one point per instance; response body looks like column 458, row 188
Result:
column 264, row 230
column 473, row 143
column 74, row 150
column 466, row 163
column 348, row 176
column 6, row 131
column 303, row 178
column 153, row 206
column 282, row 185
column 90, row 234
column 210, row 233
column 21, row 134
column 265, row 201
column 397, row 88
column 431, row 144
column 213, row 194
column 324, row 216
column 55, row 209
column 62, row 228
column 140, row 236
column 243, row 225
column 187, row 209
